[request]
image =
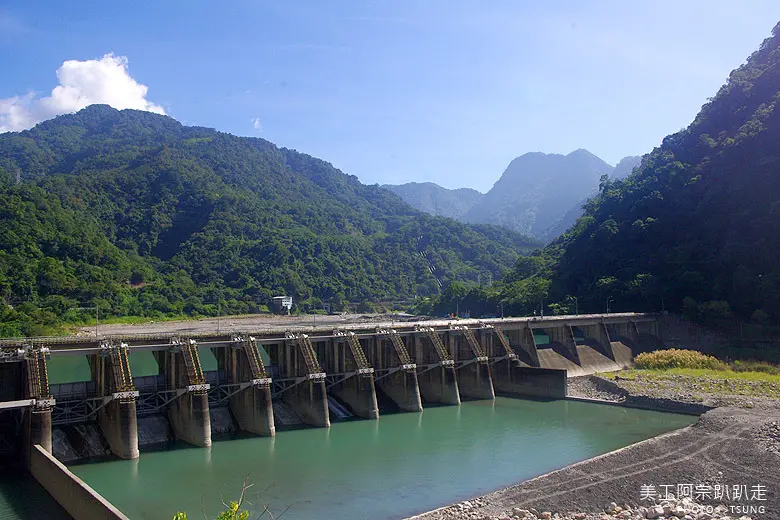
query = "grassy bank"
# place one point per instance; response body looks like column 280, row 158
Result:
column 695, row 376
column 699, row 383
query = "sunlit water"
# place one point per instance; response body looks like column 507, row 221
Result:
column 391, row 468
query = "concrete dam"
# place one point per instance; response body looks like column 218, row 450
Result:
column 262, row 378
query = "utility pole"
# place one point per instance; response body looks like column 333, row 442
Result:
column 219, row 317
column 97, row 320
column 576, row 305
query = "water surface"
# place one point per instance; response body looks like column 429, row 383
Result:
column 391, row 468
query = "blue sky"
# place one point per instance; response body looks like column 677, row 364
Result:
column 392, row 91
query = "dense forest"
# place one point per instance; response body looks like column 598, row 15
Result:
column 135, row 214
column 695, row 229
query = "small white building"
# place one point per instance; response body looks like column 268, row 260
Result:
column 282, row 304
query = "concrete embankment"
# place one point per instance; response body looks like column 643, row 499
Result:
column 74, row 495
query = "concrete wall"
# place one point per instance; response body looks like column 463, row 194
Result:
column 511, row 379
column 76, row 497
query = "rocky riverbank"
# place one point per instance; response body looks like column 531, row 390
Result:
column 670, row 508
column 727, row 462
column 676, row 392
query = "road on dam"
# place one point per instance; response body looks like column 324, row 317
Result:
column 246, row 323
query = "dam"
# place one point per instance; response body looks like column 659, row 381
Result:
column 136, row 392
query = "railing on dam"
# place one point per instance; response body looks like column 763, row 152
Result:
column 160, row 340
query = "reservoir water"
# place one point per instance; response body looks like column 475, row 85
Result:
column 387, row 469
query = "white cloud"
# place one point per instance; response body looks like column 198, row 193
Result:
column 81, row 83
column 257, row 124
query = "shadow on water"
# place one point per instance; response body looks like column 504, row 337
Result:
column 22, row 497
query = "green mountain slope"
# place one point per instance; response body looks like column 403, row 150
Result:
column 698, row 223
column 141, row 215
column 435, row 200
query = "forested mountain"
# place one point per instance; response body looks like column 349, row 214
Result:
column 622, row 169
column 139, row 215
column 696, row 228
column 435, row 200
column 626, row 166
column 537, row 189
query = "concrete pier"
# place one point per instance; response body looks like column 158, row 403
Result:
column 524, row 339
column 351, row 374
column 310, row 401
column 598, row 335
column 436, row 376
column 188, row 411
column 37, row 430
column 304, row 380
column 472, row 363
column 396, row 372
column 190, row 418
column 402, row 388
column 360, row 395
column 564, row 337
column 253, row 409
column 38, row 416
column 439, row 385
column 117, row 418
column 476, row 382
column 119, row 425
column 250, row 403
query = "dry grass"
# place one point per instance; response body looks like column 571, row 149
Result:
column 676, row 358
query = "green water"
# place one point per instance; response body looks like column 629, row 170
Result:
column 391, row 468
column 22, row 498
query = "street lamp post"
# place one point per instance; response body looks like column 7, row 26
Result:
column 542, row 308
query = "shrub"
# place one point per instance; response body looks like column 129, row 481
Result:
column 676, row 358
column 755, row 366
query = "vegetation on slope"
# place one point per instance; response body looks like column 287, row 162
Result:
column 139, row 215
column 696, row 228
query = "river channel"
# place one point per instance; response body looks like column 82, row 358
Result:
column 397, row 466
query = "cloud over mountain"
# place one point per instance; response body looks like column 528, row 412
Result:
column 81, row 83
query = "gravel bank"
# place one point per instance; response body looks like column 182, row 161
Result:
column 735, row 443
column 727, row 447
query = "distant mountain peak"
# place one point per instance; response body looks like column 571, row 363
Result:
column 539, row 194
column 436, row 200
